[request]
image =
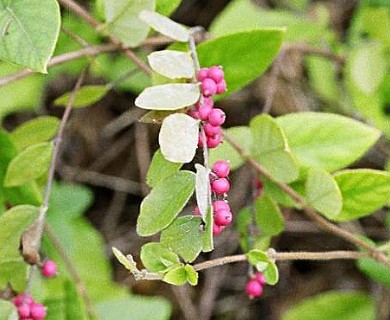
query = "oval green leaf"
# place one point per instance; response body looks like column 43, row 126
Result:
column 271, row 274
column 86, row 96
column 157, row 258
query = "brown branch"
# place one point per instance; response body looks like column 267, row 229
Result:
column 309, row 50
column 322, row 223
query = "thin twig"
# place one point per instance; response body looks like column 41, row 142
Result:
column 309, row 50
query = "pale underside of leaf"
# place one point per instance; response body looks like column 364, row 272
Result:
column 172, row 64
column 202, row 189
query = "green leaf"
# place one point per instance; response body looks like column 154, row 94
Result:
column 342, row 305
column 192, row 275
column 158, row 258
column 375, row 270
column 363, row 192
column 165, row 26
column 241, row 67
column 324, row 140
column 172, row 64
column 178, row 138
column 160, row 168
column 8, row 311
column 164, row 203
column 278, row 195
column 271, row 274
column 37, row 130
column 268, row 216
column 31, row 33
column 177, row 276
column 323, row 193
column 28, row 165
column 241, row 136
column 156, row 116
column 202, row 189
column 123, row 22
column 167, row 7
column 208, row 237
column 258, row 259
column 168, row 96
column 86, row 96
column 184, row 237
column 271, row 150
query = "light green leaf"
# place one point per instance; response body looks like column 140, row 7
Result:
column 165, row 202
column 375, row 270
column 28, row 165
column 184, row 237
column 178, row 138
column 86, row 96
column 278, row 195
column 158, row 258
column 8, row 311
column 341, row 305
column 271, row 274
column 363, row 192
column 258, row 259
column 202, row 189
column 171, row 96
column 323, row 193
column 268, row 216
column 240, row 66
column 207, row 237
column 324, row 140
column 123, row 22
column 156, row 116
column 192, row 275
column 29, row 33
column 127, row 262
column 172, row 64
column 241, row 136
column 37, row 130
column 167, row 7
column 160, row 168
column 271, row 150
column 165, row 26
column 176, row 276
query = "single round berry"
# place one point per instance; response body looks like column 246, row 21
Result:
column 213, row 142
column 49, row 269
column 216, row 73
column 194, row 114
column 24, row 310
column 204, row 111
column 223, row 218
column 38, row 311
column 220, row 186
column 220, row 205
column 253, row 289
column 209, row 87
column 221, row 87
column 217, row 230
column 260, row 278
column 196, row 211
column 203, row 74
column 221, row 168
column 211, row 131
column 216, row 117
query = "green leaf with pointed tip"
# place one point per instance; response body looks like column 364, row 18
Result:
column 86, row 96
column 323, row 194
column 271, row 274
column 29, row 32
column 160, row 168
column 268, row 216
column 241, row 66
column 8, row 311
column 37, row 130
column 165, row 202
column 184, row 237
column 342, row 305
column 29, row 165
column 158, row 258
column 324, row 140
column 363, row 192
column 123, row 22
column 270, row 149
column 192, row 275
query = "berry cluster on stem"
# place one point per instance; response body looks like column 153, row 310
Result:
column 254, row 286
column 28, row 308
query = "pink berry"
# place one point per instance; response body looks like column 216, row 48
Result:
column 203, row 74
column 216, row 117
column 200, row 142
column 223, row 218
column 217, row 230
column 213, row 142
column 216, row 74
column 49, row 269
column 193, row 113
column 221, row 168
column 220, row 205
column 209, row 87
column 260, row 278
column 38, row 311
column 20, row 299
column 253, row 289
column 211, row 131
column 221, row 87
column 196, row 211
column 220, row 186
column 24, row 310
column 204, row 111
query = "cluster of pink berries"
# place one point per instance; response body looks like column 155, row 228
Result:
column 28, row 309
column 212, row 82
column 254, row 287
